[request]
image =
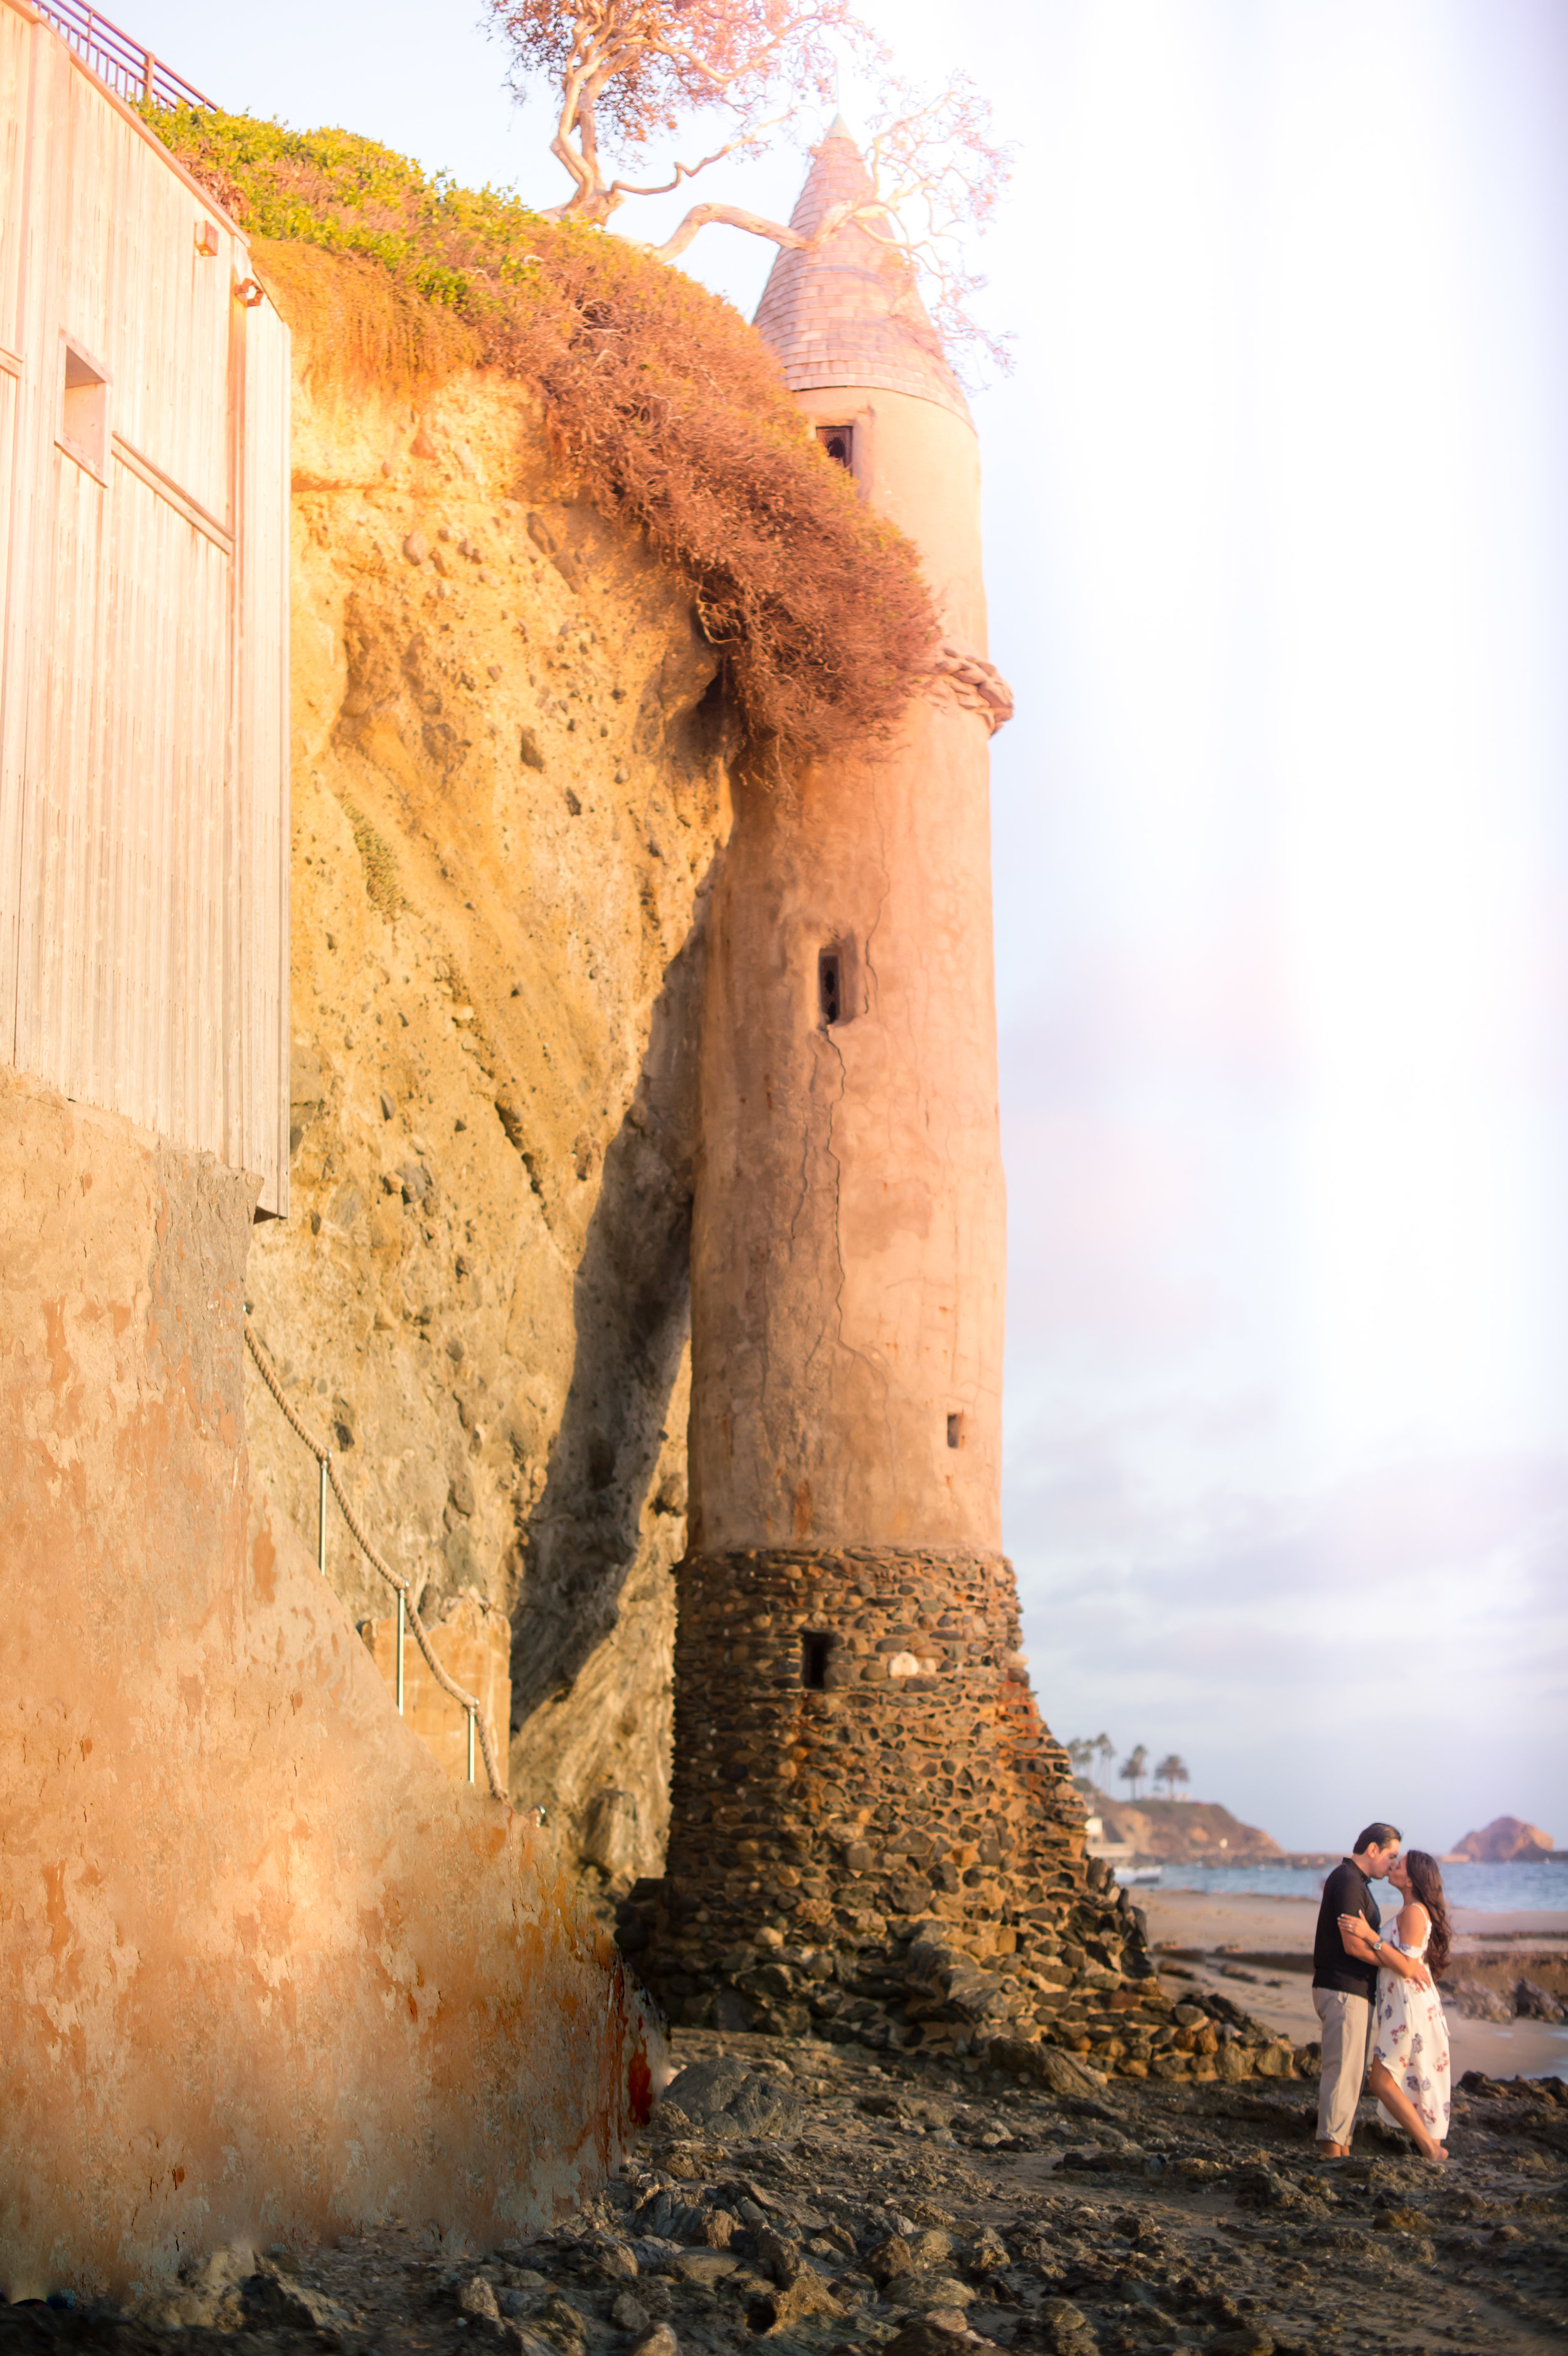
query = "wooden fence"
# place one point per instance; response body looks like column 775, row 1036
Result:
column 144, row 610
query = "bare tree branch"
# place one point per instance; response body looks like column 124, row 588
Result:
column 633, row 75
column 735, row 216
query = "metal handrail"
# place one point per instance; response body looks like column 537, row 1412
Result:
column 407, row 1615
column 116, row 57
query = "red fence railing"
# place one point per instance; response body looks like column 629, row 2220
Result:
column 127, row 65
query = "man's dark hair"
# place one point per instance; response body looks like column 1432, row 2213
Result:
column 1376, row 1836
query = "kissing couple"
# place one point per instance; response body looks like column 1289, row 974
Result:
column 1376, row 1989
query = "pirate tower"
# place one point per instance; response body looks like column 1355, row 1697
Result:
column 872, row 1829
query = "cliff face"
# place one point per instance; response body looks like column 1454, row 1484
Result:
column 509, row 789
column 1191, row 1832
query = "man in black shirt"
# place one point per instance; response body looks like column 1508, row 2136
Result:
column 1344, row 1989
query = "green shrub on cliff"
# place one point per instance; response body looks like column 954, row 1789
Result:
column 663, row 402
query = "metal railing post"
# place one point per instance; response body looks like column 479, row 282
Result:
column 478, row 1736
column 120, row 58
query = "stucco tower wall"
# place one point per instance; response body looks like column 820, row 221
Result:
column 849, row 1243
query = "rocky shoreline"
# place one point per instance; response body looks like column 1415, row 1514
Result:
column 833, row 2200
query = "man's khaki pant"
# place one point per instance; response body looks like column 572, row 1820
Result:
column 1347, row 2027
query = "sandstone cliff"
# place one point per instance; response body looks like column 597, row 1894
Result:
column 1191, row 1832
column 509, row 786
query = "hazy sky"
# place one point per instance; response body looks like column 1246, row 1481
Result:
column 1275, row 543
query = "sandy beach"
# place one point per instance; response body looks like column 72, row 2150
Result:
column 1207, row 1922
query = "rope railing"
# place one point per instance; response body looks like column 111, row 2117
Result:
column 116, row 57
column 407, row 1613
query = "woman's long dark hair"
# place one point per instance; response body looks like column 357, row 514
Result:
column 1427, row 1884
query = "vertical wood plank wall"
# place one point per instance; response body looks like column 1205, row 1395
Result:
column 143, row 613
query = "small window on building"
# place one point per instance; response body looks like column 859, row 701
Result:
column 838, row 441
column 830, row 986
column 84, row 409
column 956, row 1432
column 815, row 1648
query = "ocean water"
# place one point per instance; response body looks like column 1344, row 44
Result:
column 1529, row 1889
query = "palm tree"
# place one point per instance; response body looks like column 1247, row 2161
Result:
column 1134, row 1768
column 1106, row 1751
column 1081, row 1750
column 1171, row 1771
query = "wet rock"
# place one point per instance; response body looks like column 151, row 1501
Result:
column 987, row 2253
column 1043, row 2065
column 925, row 2335
column 705, row 2268
column 1533, row 2002
column 668, row 2216
column 793, row 2303
column 1476, row 2000
column 778, row 2257
column 724, row 2094
column 477, row 2298
column 1066, row 2329
column 614, row 2261
column 922, row 2289
column 905, row 2254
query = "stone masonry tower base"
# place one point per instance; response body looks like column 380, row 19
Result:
column 921, row 1880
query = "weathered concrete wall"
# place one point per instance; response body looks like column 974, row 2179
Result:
column 507, row 798
column 264, row 1968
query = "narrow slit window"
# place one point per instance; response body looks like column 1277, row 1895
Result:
column 838, row 441
column 956, row 1432
column 830, row 986
column 815, row 1648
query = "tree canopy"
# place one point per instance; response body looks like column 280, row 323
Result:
column 642, row 83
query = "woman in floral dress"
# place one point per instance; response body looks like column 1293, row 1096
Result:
column 1410, row 2040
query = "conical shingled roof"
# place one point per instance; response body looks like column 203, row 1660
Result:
column 850, row 313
